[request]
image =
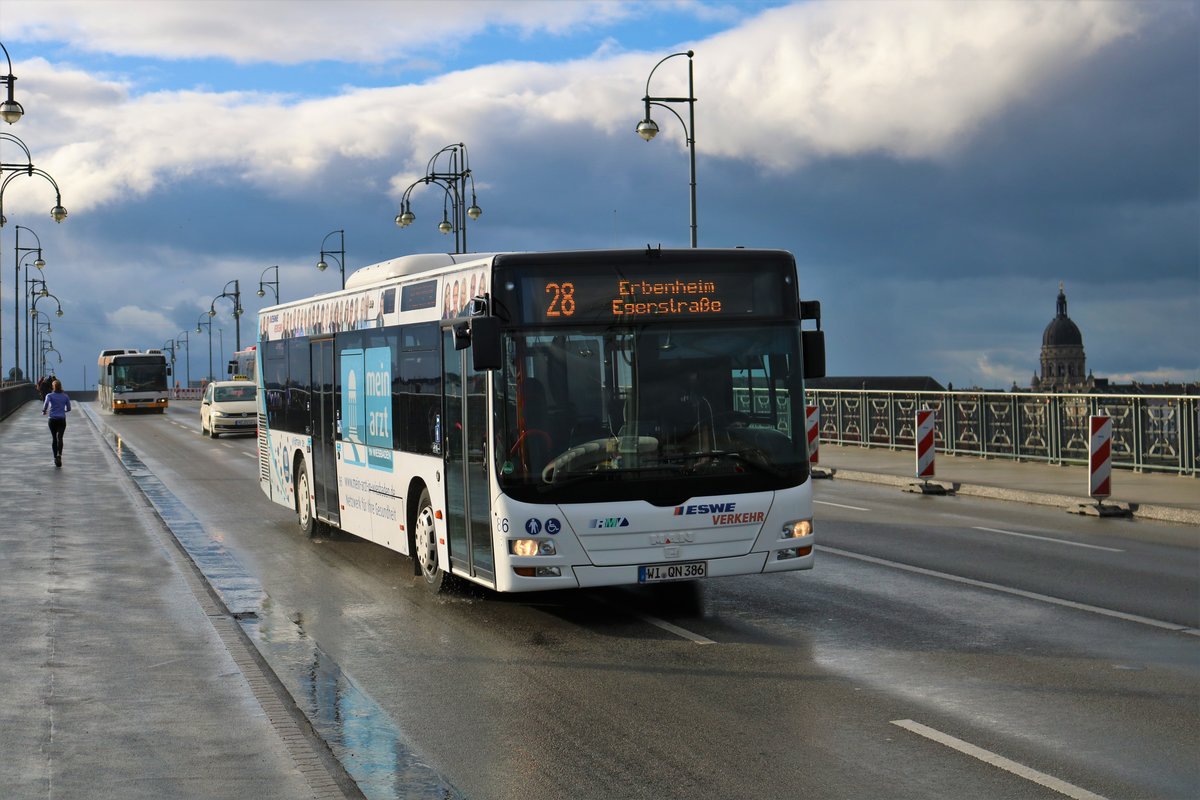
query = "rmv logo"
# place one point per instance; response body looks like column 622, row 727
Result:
column 609, row 522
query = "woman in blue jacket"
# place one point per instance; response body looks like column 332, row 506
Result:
column 56, row 405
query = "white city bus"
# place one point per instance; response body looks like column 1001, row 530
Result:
column 242, row 364
column 532, row 421
column 131, row 380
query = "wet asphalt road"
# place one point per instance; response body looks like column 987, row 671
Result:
column 864, row 678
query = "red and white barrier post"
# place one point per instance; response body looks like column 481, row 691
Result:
column 1100, row 434
column 812, row 427
column 812, row 430
column 1100, row 457
column 925, row 448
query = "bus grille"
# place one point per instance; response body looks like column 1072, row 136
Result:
column 264, row 456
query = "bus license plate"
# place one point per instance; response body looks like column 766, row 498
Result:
column 654, row 573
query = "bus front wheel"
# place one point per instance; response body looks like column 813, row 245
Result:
column 425, row 550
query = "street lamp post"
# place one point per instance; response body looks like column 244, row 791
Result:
column 10, row 172
column 40, row 326
column 648, row 128
column 274, row 285
column 187, row 354
column 57, row 212
column 37, row 319
column 207, row 322
column 47, row 348
column 169, row 346
column 34, row 287
column 17, row 296
column 42, row 296
column 340, row 253
column 236, row 295
column 10, row 109
column 33, row 312
column 454, row 186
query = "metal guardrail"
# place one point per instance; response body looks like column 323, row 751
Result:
column 1158, row 433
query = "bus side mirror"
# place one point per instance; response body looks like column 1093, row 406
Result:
column 485, row 343
column 108, row 368
column 168, row 370
column 813, row 343
column 229, row 368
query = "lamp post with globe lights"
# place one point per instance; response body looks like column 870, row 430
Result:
column 273, row 285
column 207, row 323
column 453, row 181
column 648, row 128
column 35, row 287
column 10, row 109
column 8, row 173
column 322, row 265
column 236, row 296
column 17, row 295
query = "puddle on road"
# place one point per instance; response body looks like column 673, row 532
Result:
column 359, row 733
column 356, row 729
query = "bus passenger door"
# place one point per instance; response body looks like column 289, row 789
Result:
column 468, row 508
column 324, row 430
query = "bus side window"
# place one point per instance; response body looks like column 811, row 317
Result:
column 275, row 375
column 299, row 378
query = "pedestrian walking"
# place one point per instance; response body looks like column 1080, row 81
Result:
column 56, row 405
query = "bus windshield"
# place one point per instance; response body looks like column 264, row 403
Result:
column 143, row 377
column 660, row 412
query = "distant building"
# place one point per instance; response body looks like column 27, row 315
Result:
column 1064, row 365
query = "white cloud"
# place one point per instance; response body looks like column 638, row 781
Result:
column 250, row 31
column 909, row 79
column 137, row 322
column 796, row 83
column 1158, row 375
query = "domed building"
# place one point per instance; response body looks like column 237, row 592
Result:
column 1064, row 365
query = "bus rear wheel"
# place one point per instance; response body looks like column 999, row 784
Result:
column 425, row 551
column 304, row 497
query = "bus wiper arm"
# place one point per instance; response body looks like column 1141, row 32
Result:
column 730, row 454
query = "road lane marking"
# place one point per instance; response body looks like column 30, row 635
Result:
column 988, row 757
column 1043, row 598
column 683, row 633
column 839, row 505
column 675, row 629
column 1048, row 539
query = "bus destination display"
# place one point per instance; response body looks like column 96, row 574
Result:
column 608, row 297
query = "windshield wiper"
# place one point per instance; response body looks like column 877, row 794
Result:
column 571, row 478
column 730, row 454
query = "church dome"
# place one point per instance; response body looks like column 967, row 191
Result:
column 1062, row 332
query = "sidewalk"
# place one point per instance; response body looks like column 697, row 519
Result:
column 1166, row 498
column 124, row 677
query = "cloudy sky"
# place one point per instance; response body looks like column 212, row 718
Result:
column 937, row 168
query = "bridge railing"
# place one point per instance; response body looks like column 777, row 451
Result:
column 1150, row 432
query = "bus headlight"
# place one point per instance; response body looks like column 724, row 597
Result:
column 532, row 547
column 795, row 529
